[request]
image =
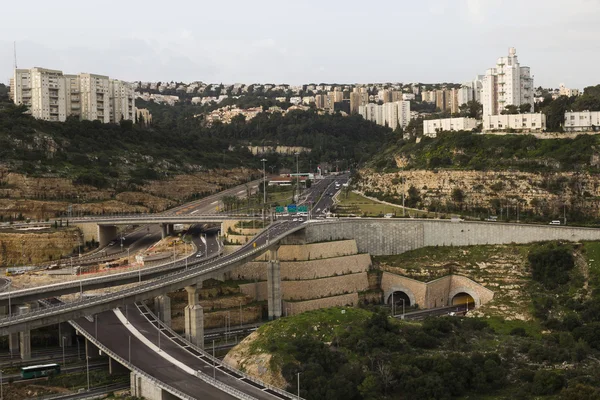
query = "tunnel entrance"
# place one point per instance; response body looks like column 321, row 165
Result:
column 464, row 301
column 399, row 301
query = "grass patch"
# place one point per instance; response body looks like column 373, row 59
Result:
column 505, row 327
column 354, row 203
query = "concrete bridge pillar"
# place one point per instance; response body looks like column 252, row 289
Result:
column 170, row 229
column 141, row 387
column 163, row 231
column 274, row 285
column 106, row 234
column 194, row 318
column 24, row 337
column 162, row 308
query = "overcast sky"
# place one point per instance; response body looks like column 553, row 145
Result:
column 302, row 41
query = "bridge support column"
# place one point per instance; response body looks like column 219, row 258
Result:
column 141, row 387
column 274, row 285
column 163, row 231
column 13, row 344
column 25, row 336
column 25, row 345
column 106, row 234
column 194, row 318
column 162, row 308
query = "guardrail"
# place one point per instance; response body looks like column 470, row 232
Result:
column 204, row 353
column 114, row 276
column 167, row 279
column 132, row 367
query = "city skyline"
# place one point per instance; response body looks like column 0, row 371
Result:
column 433, row 41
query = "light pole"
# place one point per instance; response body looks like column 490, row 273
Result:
column 214, row 365
column 297, row 175
column 1, row 392
column 298, row 385
column 63, row 348
column 240, row 313
column 87, row 365
column 129, row 349
column 264, row 160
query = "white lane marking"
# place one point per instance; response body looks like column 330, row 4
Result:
column 214, row 202
column 151, row 345
column 194, row 212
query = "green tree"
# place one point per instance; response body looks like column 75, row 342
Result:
column 524, row 108
column 551, row 263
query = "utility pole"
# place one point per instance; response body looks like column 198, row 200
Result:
column 264, row 160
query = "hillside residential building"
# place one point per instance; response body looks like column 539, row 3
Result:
column 358, row 97
column 388, row 114
column 565, row 91
column 53, row 96
column 581, row 121
column 432, row 126
column 143, row 116
column 519, row 122
column 470, row 91
column 506, row 84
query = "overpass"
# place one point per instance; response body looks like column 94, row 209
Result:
column 103, row 229
column 375, row 236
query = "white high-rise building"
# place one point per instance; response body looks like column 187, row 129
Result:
column 506, row 84
column 390, row 114
column 52, row 96
column 470, row 91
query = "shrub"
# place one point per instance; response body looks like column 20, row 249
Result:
column 551, row 263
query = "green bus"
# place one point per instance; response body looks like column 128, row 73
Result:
column 36, row 371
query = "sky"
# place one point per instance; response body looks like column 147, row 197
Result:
column 304, row 41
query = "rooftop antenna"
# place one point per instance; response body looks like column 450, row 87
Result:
column 15, row 53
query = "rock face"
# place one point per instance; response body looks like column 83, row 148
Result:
column 257, row 365
column 28, row 248
column 533, row 191
column 50, row 197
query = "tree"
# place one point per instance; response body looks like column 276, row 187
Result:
column 510, row 109
column 458, row 196
column 525, row 108
column 551, row 263
column 471, row 109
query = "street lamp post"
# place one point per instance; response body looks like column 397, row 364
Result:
column 1, row 392
column 87, row 366
column 298, row 385
column 264, row 160
column 63, row 349
column 240, row 314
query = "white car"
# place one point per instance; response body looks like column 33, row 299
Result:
column 300, row 219
column 295, row 220
column 199, row 254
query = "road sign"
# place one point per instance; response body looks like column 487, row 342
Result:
column 279, row 209
column 292, row 208
column 302, row 209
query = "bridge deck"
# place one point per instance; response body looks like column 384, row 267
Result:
column 114, row 335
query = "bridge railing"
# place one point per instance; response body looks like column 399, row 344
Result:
column 172, row 278
column 114, row 276
column 132, row 367
column 206, row 354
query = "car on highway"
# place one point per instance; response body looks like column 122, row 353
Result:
column 295, row 220
column 199, row 254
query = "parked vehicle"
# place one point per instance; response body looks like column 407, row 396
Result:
column 555, row 222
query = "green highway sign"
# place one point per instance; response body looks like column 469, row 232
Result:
column 279, row 209
column 291, row 208
column 302, row 209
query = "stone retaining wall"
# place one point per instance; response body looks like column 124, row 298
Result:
column 314, row 251
column 395, row 236
column 310, row 289
column 304, row 269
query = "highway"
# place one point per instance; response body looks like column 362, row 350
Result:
column 169, row 282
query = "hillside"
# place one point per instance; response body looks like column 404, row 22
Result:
column 346, row 353
column 105, row 167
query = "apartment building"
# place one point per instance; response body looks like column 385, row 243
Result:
column 581, row 121
column 389, row 114
column 358, row 97
column 531, row 122
column 432, row 126
column 471, row 91
column 54, row 96
column 565, row 91
column 506, row 84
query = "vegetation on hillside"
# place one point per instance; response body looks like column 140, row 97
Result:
column 178, row 141
column 467, row 151
column 344, row 353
